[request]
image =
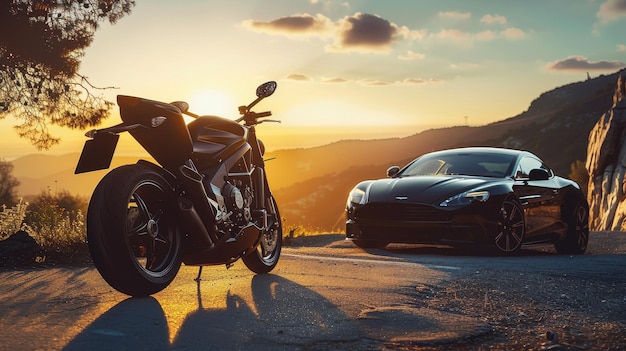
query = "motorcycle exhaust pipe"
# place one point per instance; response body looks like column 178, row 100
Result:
column 198, row 203
column 193, row 222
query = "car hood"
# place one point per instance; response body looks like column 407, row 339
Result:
column 421, row 189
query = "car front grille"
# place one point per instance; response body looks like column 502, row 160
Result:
column 403, row 212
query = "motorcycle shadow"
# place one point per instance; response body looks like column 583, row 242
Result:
column 133, row 324
column 279, row 313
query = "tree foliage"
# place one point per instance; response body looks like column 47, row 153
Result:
column 41, row 46
column 8, row 184
column 578, row 173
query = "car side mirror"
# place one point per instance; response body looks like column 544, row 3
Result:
column 393, row 171
column 538, row 174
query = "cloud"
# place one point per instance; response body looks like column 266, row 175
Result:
column 364, row 82
column 410, row 55
column 611, row 10
column 621, row 48
column 417, row 81
column 405, row 81
column 582, row 64
column 453, row 34
column 375, row 83
column 298, row 77
column 335, row 80
column 455, row 15
column 493, row 19
column 513, row 33
column 300, row 24
column 360, row 32
column 487, row 35
column 366, row 33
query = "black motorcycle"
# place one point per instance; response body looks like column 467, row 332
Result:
column 207, row 202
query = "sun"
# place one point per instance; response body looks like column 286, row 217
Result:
column 213, row 102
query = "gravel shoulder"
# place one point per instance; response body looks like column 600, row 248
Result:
column 580, row 306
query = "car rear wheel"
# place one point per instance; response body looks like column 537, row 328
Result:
column 577, row 237
column 511, row 227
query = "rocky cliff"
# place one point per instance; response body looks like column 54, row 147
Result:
column 606, row 164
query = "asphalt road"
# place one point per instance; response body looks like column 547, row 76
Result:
column 325, row 294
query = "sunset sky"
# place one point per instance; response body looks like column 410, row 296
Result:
column 350, row 69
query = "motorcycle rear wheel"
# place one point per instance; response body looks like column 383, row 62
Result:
column 265, row 257
column 132, row 232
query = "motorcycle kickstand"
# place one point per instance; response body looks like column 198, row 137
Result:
column 198, row 279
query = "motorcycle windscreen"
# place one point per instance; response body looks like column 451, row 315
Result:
column 97, row 153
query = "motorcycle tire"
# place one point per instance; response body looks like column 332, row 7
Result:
column 132, row 230
column 265, row 257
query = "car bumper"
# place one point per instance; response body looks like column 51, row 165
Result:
column 439, row 227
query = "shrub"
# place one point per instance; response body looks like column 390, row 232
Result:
column 57, row 222
column 12, row 219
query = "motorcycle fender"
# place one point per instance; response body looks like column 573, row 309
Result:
column 97, row 153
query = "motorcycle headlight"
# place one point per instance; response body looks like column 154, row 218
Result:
column 357, row 197
column 465, row 198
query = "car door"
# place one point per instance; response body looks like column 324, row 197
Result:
column 538, row 195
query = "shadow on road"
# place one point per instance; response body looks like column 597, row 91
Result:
column 133, row 324
column 478, row 251
column 278, row 312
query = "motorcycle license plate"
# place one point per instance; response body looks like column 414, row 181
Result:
column 97, row 153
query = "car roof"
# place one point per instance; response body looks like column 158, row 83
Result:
column 483, row 150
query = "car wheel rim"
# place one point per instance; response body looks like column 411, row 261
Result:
column 510, row 232
column 582, row 227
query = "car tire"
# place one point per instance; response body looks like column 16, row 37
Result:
column 577, row 236
column 511, row 227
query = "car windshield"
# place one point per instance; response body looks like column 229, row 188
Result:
column 472, row 164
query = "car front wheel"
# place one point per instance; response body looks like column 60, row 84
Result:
column 511, row 227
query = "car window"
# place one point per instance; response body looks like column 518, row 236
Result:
column 473, row 164
column 527, row 164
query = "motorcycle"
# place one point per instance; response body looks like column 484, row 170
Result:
column 206, row 200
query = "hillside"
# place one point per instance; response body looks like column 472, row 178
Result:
column 38, row 173
column 555, row 127
column 311, row 184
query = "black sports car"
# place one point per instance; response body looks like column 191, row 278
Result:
column 476, row 195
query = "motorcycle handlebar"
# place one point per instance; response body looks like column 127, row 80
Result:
column 251, row 118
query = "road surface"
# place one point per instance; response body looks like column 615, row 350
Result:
column 326, row 297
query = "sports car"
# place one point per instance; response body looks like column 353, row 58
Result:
column 480, row 195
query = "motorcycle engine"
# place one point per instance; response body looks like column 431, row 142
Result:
column 237, row 199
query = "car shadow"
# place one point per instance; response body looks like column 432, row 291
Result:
column 478, row 251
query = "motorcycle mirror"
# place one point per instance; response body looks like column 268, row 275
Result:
column 181, row 105
column 266, row 89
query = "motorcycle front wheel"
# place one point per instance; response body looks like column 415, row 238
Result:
column 265, row 257
column 132, row 232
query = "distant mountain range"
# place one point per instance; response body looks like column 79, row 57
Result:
column 311, row 184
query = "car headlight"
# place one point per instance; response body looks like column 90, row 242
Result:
column 465, row 198
column 357, row 196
